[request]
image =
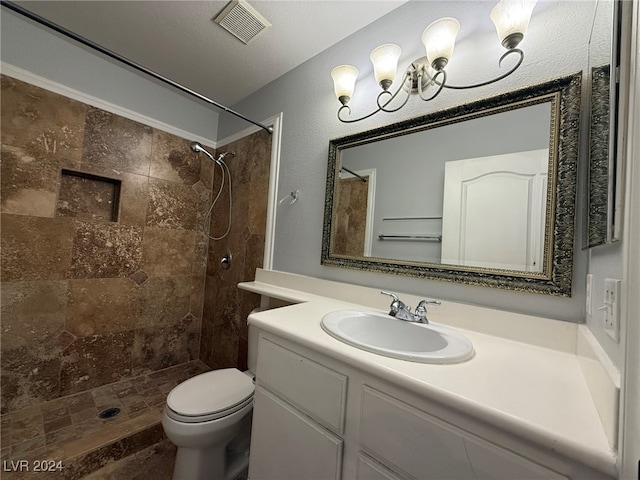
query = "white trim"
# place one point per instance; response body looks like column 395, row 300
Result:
column 272, row 205
column 630, row 394
column 29, row 77
column 274, row 122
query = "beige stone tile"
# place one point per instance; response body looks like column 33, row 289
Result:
column 32, row 311
column 173, row 205
column 42, row 123
column 116, row 142
column 93, row 361
column 168, row 252
column 173, row 159
column 105, row 250
column 29, row 184
column 98, row 306
column 164, row 300
column 35, row 248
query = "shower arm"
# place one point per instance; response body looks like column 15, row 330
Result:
column 85, row 41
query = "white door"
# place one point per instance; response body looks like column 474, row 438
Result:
column 494, row 211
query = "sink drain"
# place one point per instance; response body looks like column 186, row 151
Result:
column 109, row 413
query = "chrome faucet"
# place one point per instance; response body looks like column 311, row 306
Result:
column 401, row 311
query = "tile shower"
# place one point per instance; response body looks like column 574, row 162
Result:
column 107, row 276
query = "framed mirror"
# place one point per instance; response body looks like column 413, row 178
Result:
column 601, row 225
column 483, row 193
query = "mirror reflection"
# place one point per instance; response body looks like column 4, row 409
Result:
column 483, row 193
column 430, row 197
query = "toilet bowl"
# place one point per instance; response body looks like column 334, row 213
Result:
column 208, row 418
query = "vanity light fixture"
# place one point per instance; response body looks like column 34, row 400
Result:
column 511, row 18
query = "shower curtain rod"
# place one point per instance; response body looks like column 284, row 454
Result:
column 85, row 41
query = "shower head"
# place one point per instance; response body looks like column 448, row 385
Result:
column 197, row 147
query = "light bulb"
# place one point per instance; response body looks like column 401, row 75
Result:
column 439, row 38
column 511, row 18
column 385, row 63
column 344, row 82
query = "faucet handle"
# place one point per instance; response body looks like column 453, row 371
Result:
column 422, row 306
column 390, row 294
column 429, row 302
column 396, row 305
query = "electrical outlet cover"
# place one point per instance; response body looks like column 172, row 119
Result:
column 611, row 319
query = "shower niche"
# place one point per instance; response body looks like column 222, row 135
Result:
column 88, row 196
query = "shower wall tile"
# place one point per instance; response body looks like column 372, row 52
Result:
column 224, row 341
column 30, row 374
column 168, row 252
column 164, row 300
column 97, row 360
column 43, row 124
column 104, row 305
column 32, row 311
column 27, row 186
column 116, row 142
column 174, row 160
column 105, row 250
column 86, row 301
column 161, row 346
column 35, row 248
column 172, row 205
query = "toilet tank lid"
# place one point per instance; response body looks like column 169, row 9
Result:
column 210, row 392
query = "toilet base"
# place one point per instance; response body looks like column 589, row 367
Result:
column 217, row 462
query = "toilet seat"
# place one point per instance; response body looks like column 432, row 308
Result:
column 210, row 396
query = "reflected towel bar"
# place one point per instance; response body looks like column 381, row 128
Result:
column 426, row 238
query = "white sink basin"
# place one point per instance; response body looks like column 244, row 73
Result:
column 385, row 335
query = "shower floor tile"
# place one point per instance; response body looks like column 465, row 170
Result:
column 68, row 427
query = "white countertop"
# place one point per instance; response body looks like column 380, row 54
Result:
column 532, row 391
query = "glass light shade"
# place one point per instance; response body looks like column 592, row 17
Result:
column 385, row 62
column 439, row 38
column 344, row 80
column 512, row 16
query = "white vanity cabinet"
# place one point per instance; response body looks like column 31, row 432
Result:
column 298, row 417
column 318, row 418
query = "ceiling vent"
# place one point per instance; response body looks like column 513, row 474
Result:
column 242, row 20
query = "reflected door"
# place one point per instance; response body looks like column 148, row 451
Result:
column 493, row 211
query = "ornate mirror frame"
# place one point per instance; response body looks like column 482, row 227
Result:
column 556, row 276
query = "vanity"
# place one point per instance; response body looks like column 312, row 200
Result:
column 520, row 408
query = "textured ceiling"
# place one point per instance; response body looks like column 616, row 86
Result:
column 179, row 40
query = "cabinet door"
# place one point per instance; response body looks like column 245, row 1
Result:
column 287, row 445
column 411, row 441
column 490, row 462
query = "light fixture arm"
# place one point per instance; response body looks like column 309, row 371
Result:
column 381, row 106
column 494, row 80
column 441, row 85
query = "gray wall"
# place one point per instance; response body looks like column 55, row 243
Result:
column 556, row 45
column 39, row 50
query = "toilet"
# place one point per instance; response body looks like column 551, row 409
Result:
column 208, row 418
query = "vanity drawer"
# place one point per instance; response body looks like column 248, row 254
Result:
column 434, row 449
column 313, row 388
